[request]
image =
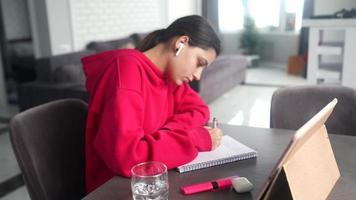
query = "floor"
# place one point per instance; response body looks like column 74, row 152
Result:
column 247, row 104
column 273, row 77
column 11, row 183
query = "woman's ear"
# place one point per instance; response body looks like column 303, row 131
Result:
column 180, row 43
column 181, row 40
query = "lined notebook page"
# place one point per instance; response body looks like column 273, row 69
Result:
column 230, row 150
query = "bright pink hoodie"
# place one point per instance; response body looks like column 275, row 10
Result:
column 136, row 114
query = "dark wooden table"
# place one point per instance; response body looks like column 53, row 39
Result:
column 270, row 144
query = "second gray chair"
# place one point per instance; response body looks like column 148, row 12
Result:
column 292, row 107
column 49, row 144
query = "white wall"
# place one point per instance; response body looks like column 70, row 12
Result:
column 325, row 7
column 176, row 9
column 68, row 25
column 112, row 19
column 60, row 29
column 15, row 15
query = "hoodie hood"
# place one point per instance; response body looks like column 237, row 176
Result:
column 97, row 66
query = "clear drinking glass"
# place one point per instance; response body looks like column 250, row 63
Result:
column 149, row 181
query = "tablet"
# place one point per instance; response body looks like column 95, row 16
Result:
column 300, row 137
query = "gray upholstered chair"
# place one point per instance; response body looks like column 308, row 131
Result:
column 292, row 107
column 49, row 144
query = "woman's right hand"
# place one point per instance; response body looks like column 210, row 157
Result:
column 216, row 136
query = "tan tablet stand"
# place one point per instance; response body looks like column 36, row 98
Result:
column 310, row 172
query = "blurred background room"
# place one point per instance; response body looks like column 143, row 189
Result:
column 266, row 45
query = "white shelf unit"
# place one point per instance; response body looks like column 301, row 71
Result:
column 345, row 49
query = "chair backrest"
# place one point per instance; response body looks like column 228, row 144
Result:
column 291, row 107
column 49, row 144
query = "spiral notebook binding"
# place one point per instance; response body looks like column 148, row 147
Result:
column 217, row 162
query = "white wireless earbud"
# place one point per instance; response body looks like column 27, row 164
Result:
column 181, row 45
column 241, row 184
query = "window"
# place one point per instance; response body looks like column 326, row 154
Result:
column 265, row 13
column 231, row 14
column 285, row 15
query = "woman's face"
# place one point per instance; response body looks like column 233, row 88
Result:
column 189, row 63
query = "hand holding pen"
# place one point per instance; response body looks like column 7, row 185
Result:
column 215, row 134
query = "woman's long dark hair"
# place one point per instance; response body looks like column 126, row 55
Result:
column 199, row 31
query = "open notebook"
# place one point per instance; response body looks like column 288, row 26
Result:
column 230, row 150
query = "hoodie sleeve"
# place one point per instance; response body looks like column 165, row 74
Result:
column 191, row 114
column 122, row 143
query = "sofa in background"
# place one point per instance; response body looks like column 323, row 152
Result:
column 58, row 77
column 61, row 76
column 122, row 43
column 226, row 72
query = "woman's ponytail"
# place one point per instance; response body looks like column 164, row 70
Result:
column 151, row 40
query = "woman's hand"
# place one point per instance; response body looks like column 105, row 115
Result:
column 216, row 136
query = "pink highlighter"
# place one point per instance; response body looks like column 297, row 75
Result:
column 220, row 184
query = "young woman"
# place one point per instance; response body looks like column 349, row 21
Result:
column 141, row 106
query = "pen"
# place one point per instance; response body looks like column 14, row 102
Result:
column 215, row 122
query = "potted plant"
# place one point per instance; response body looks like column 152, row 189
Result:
column 250, row 40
